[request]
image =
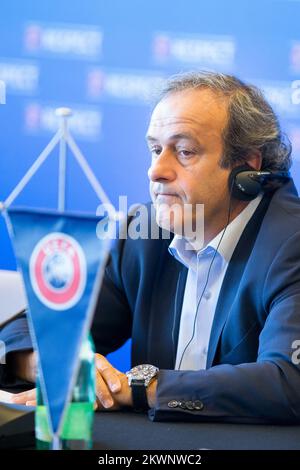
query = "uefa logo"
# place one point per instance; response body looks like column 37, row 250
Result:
column 58, row 271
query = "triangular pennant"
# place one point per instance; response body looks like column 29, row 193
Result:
column 62, row 262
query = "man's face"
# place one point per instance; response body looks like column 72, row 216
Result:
column 185, row 141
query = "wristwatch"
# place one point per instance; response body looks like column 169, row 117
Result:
column 139, row 378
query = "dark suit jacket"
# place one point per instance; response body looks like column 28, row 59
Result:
column 250, row 374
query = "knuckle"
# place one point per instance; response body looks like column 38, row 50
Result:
column 103, row 394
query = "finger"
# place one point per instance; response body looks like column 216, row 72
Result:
column 103, row 394
column 109, row 373
column 31, row 403
column 22, row 398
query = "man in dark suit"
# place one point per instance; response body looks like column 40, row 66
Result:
column 220, row 320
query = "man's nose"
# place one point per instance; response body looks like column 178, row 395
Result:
column 162, row 168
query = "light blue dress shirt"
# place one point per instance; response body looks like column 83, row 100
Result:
column 198, row 264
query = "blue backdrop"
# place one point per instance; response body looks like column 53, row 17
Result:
column 103, row 59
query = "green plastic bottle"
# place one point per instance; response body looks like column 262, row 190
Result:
column 77, row 426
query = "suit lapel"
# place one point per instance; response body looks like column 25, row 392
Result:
column 180, row 288
column 165, row 311
column 233, row 276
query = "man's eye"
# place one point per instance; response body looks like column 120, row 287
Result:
column 185, row 153
column 155, row 150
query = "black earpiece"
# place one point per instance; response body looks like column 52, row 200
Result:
column 245, row 183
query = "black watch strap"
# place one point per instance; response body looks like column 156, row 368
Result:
column 139, row 395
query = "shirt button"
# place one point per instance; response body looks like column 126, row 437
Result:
column 198, row 405
column 190, row 405
column 182, row 405
column 173, row 404
column 207, row 295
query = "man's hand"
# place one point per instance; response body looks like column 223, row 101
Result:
column 25, row 398
column 112, row 389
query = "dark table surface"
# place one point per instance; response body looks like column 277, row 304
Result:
column 127, row 430
column 121, row 430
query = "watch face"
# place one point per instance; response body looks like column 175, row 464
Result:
column 143, row 372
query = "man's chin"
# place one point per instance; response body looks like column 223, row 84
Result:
column 169, row 222
column 167, row 199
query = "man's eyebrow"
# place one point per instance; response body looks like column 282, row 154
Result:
column 150, row 139
column 181, row 135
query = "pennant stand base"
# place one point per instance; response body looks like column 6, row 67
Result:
column 56, row 442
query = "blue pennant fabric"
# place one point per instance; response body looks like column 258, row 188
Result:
column 62, row 262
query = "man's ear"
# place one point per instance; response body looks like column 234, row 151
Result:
column 254, row 159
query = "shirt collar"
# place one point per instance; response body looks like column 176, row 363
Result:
column 179, row 245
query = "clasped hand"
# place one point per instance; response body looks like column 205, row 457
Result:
column 112, row 389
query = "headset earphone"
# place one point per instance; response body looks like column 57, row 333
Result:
column 245, row 183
